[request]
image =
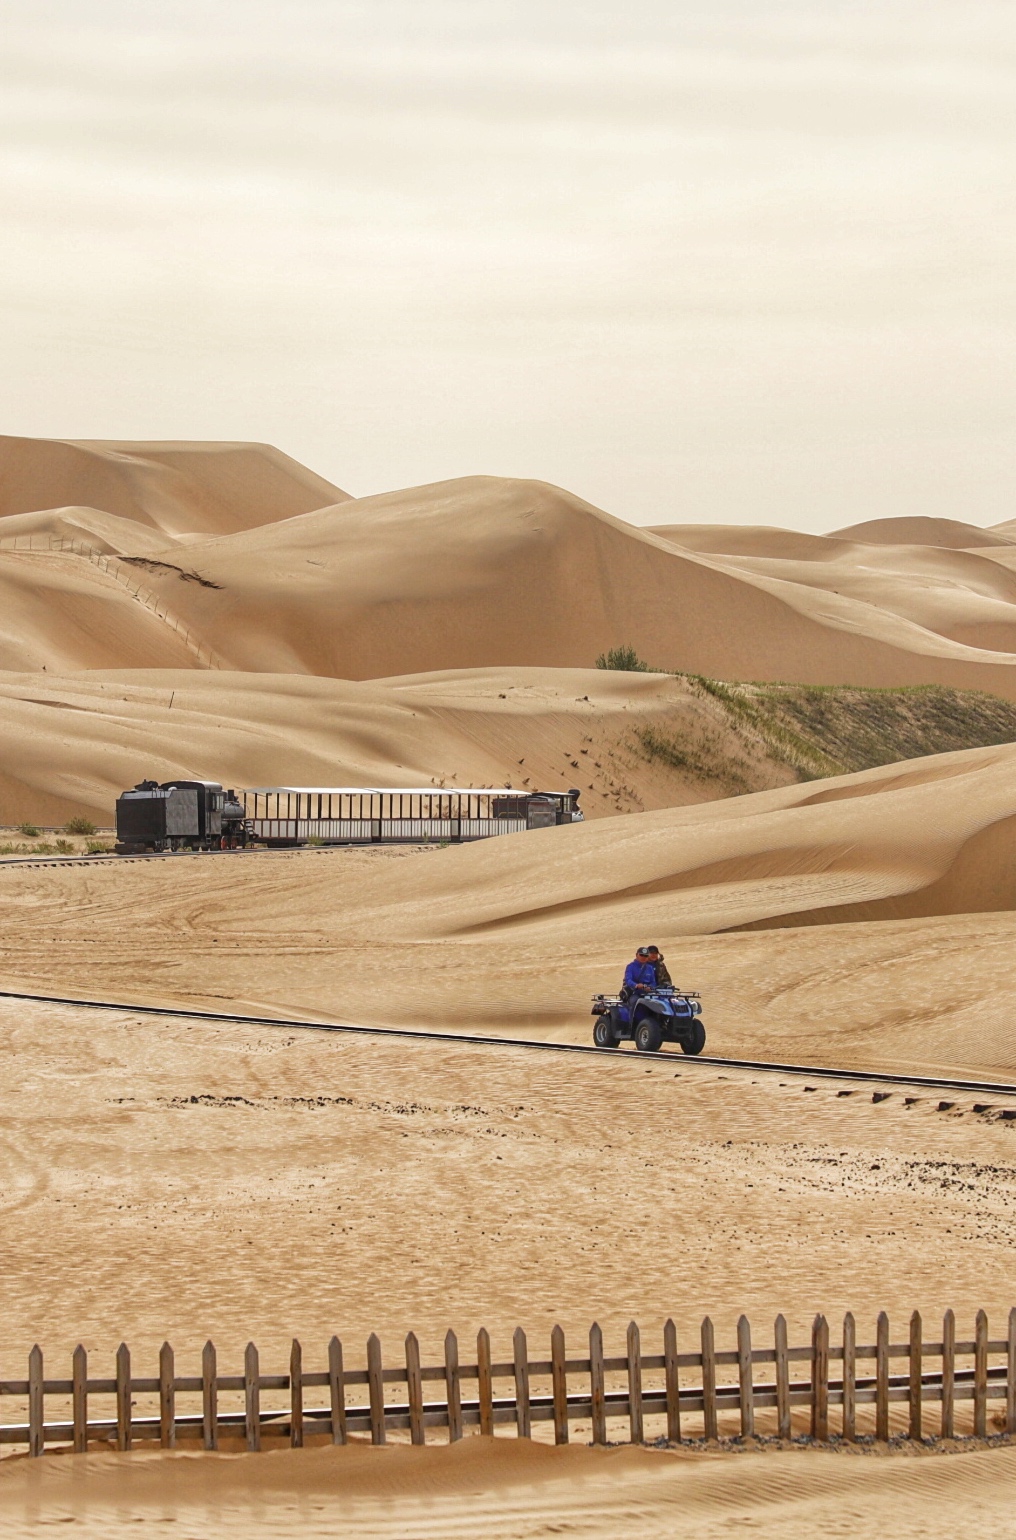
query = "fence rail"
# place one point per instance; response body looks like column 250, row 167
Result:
column 127, row 578
column 633, row 1396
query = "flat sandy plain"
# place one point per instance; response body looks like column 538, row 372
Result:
column 166, row 1178
column 181, row 1180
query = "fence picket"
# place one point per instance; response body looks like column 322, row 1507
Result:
column 252, row 1397
column 414, row 1387
column 914, row 1388
column 820, row 1379
column 948, row 1373
column 709, row 1379
column 337, row 1391
column 673, row 1383
column 560, row 1381
column 849, row 1378
column 744, row 1378
column 167, row 1397
column 296, row 1395
column 596, row 1388
column 522, row 1415
column 485, row 1383
column 209, row 1398
column 634, row 1383
column 79, row 1398
column 123, row 1396
column 1010, row 1376
column 915, row 1384
column 36, row 1403
column 782, row 1379
column 980, row 1375
column 882, row 1378
column 376, row 1388
column 453, row 1384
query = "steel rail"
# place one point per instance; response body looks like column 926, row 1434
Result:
column 421, row 1034
column 110, row 858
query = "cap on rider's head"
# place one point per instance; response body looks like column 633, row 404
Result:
column 643, row 951
column 653, row 951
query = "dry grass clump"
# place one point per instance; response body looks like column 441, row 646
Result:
column 824, row 730
column 79, row 825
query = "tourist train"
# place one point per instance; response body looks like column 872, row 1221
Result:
column 201, row 815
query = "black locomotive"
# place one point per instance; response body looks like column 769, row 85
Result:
column 179, row 815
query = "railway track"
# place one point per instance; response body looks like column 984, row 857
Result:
column 531, row 1045
column 98, row 859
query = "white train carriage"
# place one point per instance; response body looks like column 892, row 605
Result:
column 358, row 815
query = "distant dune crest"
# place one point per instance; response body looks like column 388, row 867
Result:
column 482, row 572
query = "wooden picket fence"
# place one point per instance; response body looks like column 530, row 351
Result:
column 706, row 1394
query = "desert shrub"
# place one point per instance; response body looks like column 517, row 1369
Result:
column 623, row 659
column 64, row 847
column 28, row 830
column 79, row 826
column 98, row 847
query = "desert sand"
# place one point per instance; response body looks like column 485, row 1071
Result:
column 881, row 889
column 518, row 1493
column 273, row 570
column 183, row 1179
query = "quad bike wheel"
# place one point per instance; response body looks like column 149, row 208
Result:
column 694, row 1039
column 648, row 1035
column 603, row 1033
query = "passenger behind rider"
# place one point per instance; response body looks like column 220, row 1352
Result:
column 663, row 978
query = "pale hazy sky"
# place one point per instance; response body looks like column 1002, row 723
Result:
column 739, row 260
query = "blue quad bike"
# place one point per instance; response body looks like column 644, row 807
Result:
column 652, row 1018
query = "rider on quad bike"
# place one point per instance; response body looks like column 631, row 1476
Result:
column 648, row 1009
column 640, row 974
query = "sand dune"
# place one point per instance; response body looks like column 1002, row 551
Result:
column 481, row 572
column 180, row 489
column 273, row 570
column 517, row 1491
column 948, row 534
column 928, row 837
column 628, row 741
column 59, row 613
column 73, row 743
column 965, row 595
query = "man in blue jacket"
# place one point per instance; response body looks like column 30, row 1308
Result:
column 640, row 974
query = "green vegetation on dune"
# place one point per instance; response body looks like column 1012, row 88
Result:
column 699, row 753
column 623, row 660
column 824, row 730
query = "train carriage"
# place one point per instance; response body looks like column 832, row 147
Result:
column 357, row 815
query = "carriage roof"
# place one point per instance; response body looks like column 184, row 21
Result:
column 398, row 791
